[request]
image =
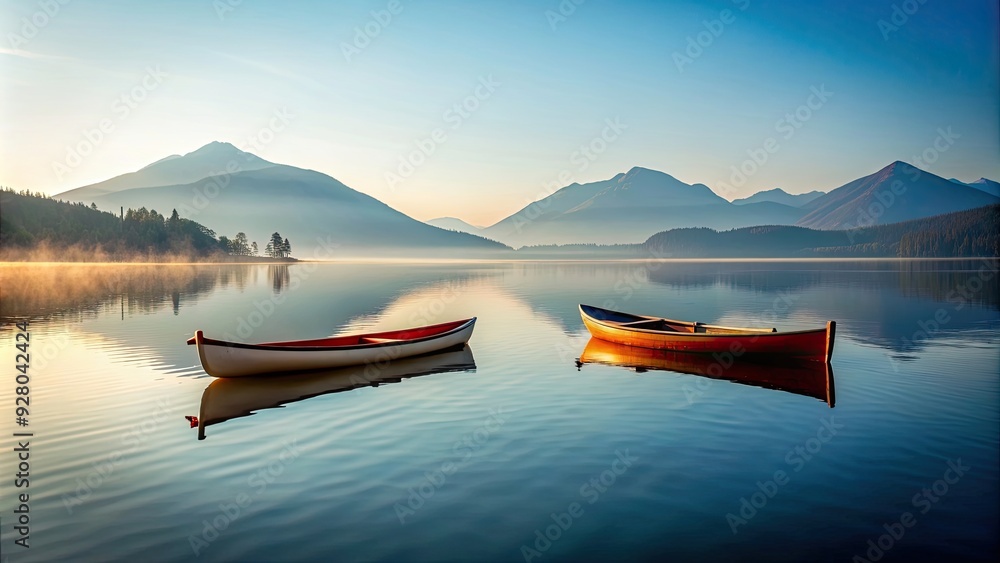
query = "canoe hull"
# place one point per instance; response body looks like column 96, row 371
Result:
column 228, row 359
column 235, row 397
column 813, row 345
column 801, row 377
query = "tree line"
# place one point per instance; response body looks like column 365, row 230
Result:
column 276, row 247
column 971, row 233
column 30, row 219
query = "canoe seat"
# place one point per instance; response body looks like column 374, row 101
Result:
column 653, row 324
column 370, row 340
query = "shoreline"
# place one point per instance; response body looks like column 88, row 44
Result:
column 493, row 260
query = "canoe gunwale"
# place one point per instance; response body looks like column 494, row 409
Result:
column 747, row 331
column 201, row 340
column 231, row 359
column 710, row 334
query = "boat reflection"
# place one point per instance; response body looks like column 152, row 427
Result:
column 228, row 398
column 811, row 379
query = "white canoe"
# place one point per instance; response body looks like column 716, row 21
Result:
column 229, row 398
column 233, row 359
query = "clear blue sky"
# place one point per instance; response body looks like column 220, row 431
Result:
column 557, row 81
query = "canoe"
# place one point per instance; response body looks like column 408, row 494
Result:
column 800, row 377
column 685, row 336
column 231, row 398
column 233, row 359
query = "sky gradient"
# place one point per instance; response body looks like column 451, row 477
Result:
column 504, row 96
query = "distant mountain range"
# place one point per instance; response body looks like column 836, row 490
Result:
column 898, row 192
column 973, row 232
column 454, row 224
column 970, row 233
column 629, row 208
column 778, row 195
column 230, row 190
column 632, row 206
column 984, row 184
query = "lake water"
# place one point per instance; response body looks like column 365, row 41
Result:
column 445, row 462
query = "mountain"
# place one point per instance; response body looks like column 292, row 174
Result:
column 309, row 208
column 210, row 160
column 984, row 184
column 778, row 195
column 628, row 208
column 898, row 192
column 970, row 233
column 454, row 224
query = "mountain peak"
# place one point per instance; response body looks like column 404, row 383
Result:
column 209, row 160
column 216, row 147
column 645, row 177
column 778, row 195
column 642, row 187
column 638, row 172
column 886, row 197
column 899, row 166
column 893, row 168
column 220, row 154
column 639, row 169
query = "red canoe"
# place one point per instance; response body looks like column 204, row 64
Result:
column 801, row 377
column 683, row 336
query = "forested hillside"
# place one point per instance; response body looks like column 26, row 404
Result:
column 960, row 234
column 29, row 221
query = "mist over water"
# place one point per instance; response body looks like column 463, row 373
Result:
column 445, row 461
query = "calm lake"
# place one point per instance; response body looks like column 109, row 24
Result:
column 508, row 450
